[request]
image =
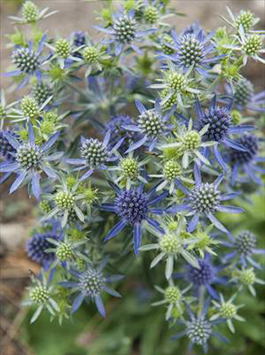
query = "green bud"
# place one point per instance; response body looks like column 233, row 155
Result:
column 63, row 48
column 170, row 244
column 192, row 140
column 91, row 54
column 65, row 251
column 30, row 12
column 64, row 200
column 39, row 294
column 130, row 168
column 29, row 107
column 172, row 294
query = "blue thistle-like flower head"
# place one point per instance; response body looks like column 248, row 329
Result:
column 91, row 283
column 38, row 244
column 202, row 276
column 243, row 249
column 119, row 132
column 25, row 60
column 94, row 152
column 219, row 121
column 191, row 49
column 132, row 205
column 199, row 331
column 245, row 243
column 30, row 160
column 124, row 31
column 6, row 149
column 250, row 142
column 205, row 198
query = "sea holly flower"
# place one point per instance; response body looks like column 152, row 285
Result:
column 245, row 97
column 228, row 311
column 243, row 249
column 173, row 297
column 247, row 278
column 204, row 200
column 133, row 206
column 90, row 284
column 6, row 151
column 189, row 143
column 30, row 160
column 219, row 125
column 244, row 19
column 192, row 49
column 199, row 328
column 95, row 155
column 172, row 173
column 151, row 125
column 250, row 45
column 65, row 251
column 204, row 241
column 41, row 92
column 246, row 160
column 117, row 129
column 124, row 31
column 204, row 277
column 41, row 294
column 129, row 171
column 154, row 13
column 38, row 244
column 92, row 55
column 66, row 202
column 63, row 51
column 28, row 62
column 31, row 14
column 171, row 244
column 176, row 85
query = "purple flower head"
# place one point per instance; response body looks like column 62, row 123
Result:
column 90, row 284
column 6, row 151
column 133, row 206
column 243, row 249
column 28, row 62
column 245, row 97
column 29, row 160
column 192, row 48
column 219, row 122
column 204, row 200
column 38, row 244
column 246, row 160
column 151, row 124
column 124, row 31
column 95, row 154
column 118, row 131
column 199, row 328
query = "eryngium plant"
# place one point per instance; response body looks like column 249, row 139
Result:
column 143, row 134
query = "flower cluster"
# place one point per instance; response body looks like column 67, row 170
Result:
column 155, row 140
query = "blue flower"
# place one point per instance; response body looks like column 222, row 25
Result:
column 219, row 122
column 204, row 276
column 245, row 97
column 90, row 284
column 243, row 249
column 199, row 328
column 191, row 50
column 30, row 160
column 133, row 206
column 95, row 155
column 117, row 129
column 246, row 159
column 204, row 200
column 6, row 151
column 38, row 244
column 28, row 62
column 150, row 124
column 124, row 31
